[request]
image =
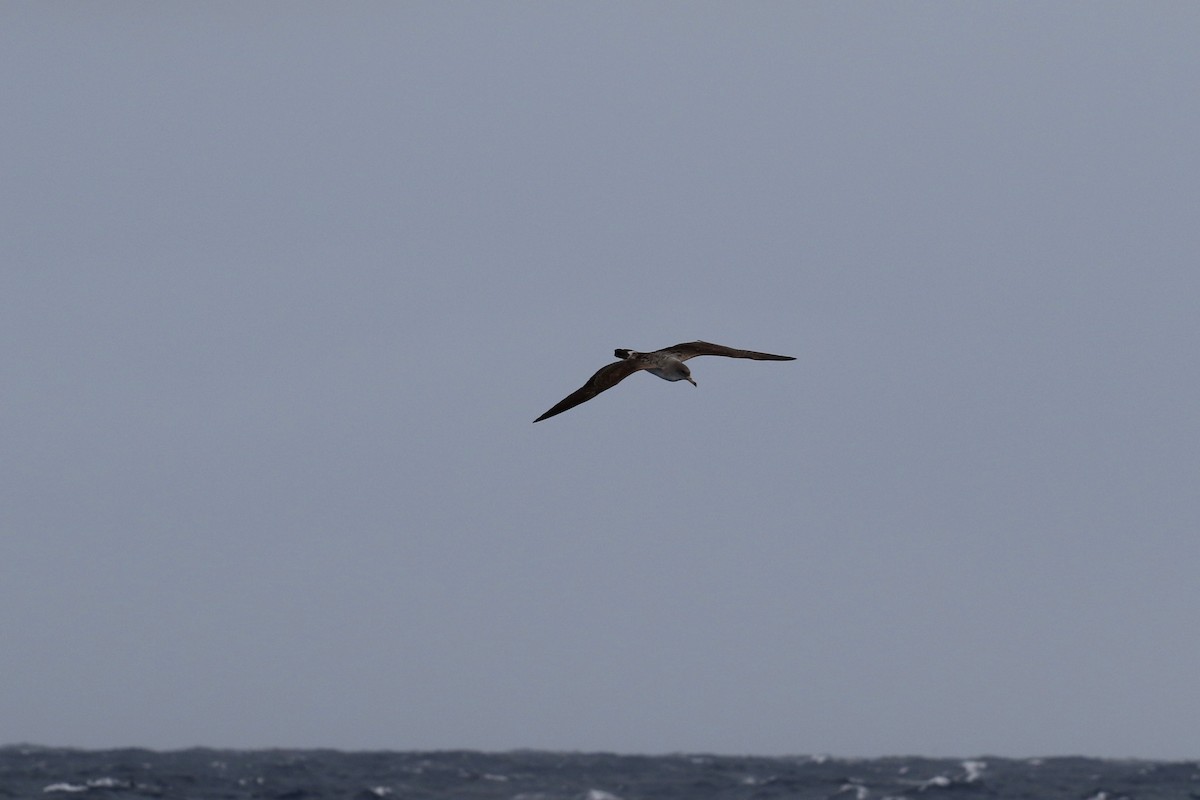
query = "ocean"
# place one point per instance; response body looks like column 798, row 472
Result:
column 43, row 772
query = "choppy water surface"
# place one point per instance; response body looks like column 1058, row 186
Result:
column 27, row 771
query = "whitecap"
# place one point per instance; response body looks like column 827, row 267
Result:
column 106, row 783
column 860, row 792
column 599, row 794
column 974, row 770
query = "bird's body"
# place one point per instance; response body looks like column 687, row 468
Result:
column 666, row 363
column 663, row 363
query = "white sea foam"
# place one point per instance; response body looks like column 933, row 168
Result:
column 860, row 792
column 974, row 770
column 105, row 783
column 75, row 788
column 599, row 794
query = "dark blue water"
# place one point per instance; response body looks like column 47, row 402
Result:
column 28, row 772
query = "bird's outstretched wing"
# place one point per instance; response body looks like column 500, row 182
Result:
column 605, row 378
column 692, row 349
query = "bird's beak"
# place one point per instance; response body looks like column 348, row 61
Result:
column 692, row 382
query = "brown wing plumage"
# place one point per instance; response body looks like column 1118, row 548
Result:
column 692, row 349
column 605, row 378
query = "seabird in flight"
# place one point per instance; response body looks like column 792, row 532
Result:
column 666, row 364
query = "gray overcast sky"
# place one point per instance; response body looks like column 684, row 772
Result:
column 284, row 285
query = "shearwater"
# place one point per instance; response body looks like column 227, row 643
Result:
column 666, row 363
